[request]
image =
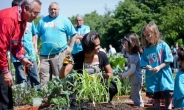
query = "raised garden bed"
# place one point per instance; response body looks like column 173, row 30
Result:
column 28, row 107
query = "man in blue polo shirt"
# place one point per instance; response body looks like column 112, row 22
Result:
column 53, row 31
column 81, row 31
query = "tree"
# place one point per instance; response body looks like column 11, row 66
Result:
column 131, row 15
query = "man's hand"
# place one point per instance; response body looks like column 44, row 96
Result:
column 8, row 79
column 68, row 51
column 27, row 63
column 77, row 41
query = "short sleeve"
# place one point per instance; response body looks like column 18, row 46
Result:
column 168, row 57
column 70, row 30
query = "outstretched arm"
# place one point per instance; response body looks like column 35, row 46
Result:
column 108, row 71
column 65, row 70
column 70, row 48
column 129, row 72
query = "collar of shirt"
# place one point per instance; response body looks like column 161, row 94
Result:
column 80, row 26
column 20, row 18
column 19, row 13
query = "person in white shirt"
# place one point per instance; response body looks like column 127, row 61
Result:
column 101, row 49
column 112, row 50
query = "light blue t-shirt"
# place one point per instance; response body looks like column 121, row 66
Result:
column 54, row 32
column 154, row 56
column 179, row 90
column 27, row 41
column 82, row 30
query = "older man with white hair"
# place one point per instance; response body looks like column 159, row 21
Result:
column 12, row 26
column 81, row 31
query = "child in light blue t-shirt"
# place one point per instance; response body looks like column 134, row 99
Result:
column 179, row 83
column 155, row 59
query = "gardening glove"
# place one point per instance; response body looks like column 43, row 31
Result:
column 68, row 60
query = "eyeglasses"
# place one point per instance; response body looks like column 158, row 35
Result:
column 35, row 13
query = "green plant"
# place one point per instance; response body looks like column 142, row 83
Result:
column 58, row 102
column 91, row 88
column 56, row 87
column 119, row 85
column 117, row 62
column 23, row 96
column 125, row 86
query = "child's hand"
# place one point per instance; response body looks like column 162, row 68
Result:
column 149, row 67
column 120, row 77
column 156, row 69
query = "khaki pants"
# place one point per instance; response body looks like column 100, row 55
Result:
column 51, row 65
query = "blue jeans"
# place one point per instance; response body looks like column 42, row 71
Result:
column 32, row 75
column 176, row 63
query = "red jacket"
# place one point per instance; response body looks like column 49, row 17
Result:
column 11, row 32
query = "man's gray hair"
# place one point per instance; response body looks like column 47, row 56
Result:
column 52, row 3
column 30, row 3
column 79, row 16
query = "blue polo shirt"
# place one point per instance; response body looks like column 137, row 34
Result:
column 27, row 41
column 53, row 33
column 155, row 56
column 82, row 30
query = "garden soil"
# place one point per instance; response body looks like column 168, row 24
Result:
column 109, row 106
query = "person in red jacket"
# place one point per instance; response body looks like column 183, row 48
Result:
column 12, row 26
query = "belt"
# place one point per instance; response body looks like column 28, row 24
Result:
column 52, row 55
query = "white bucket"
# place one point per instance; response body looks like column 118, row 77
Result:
column 37, row 101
